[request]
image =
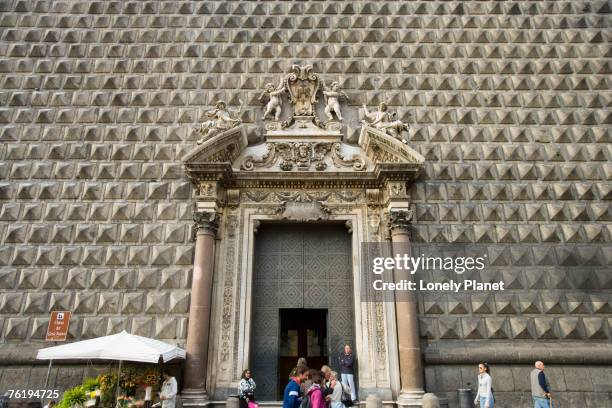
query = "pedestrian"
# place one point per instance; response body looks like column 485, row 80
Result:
column 540, row 388
column 347, row 362
column 485, row 387
column 168, row 390
column 246, row 389
column 291, row 395
column 308, row 382
column 315, row 392
column 327, row 390
column 335, row 398
column 300, row 363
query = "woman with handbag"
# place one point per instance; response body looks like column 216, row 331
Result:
column 246, row 390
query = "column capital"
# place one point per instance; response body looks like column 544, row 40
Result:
column 206, row 222
column 400, row 219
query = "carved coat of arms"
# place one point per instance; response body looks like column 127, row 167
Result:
column 303, row 85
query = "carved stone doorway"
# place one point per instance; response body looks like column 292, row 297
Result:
column 299, row 266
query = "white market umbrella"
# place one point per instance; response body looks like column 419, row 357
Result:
column 121, row 346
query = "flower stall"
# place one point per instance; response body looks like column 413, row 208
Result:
column 132, row 386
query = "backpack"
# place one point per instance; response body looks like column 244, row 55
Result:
column 305, row 401
column 346, row 396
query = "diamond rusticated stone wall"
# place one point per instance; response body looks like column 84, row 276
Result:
column 508, row 101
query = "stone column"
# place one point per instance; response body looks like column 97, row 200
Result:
column 200, row 305
column 410, row 360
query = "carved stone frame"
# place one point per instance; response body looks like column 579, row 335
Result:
column 241, row 197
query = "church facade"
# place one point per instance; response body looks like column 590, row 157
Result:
column 212, row 174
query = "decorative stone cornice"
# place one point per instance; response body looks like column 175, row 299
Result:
column 206, row 222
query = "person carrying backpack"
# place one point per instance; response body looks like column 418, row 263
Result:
column 315, row 392
column 335, row 399
column 291, row 395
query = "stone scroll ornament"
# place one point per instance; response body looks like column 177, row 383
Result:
column 220, row 121
column 303, row 156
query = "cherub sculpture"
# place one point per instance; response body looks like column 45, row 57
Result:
column 220, row 121
column 386, row 121
column 332, row 96
column 275, row 104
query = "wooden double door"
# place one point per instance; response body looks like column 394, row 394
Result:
column 303, row 333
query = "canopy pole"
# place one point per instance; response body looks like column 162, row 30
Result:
column 118, row 384
column 46, row 381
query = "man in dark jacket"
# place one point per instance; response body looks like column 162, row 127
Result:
column 292, row 397
column 347, row 361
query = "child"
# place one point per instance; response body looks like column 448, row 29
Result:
column 315, row 392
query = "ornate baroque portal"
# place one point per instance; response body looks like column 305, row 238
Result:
column 303, row 172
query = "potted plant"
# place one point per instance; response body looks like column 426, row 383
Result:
column 108, row 382
column 73, row 398
column 149, row 379
column 92, row 391
column 128, row 381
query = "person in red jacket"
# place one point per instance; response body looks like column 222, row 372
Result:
column 315, row 392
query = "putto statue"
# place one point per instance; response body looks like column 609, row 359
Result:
column 386, row 121
column 332, row 96
column 275, row 104
column 220, row 121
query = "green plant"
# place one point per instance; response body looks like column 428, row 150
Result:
column 91, row 384
column 73, row 396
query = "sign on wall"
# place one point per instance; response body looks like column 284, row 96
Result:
column 58, row 326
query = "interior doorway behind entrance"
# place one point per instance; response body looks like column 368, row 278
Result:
column 303, row 333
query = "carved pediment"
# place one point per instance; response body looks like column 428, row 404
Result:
column 303, row 149
column 377, row 155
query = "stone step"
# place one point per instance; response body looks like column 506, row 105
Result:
column 273, row 404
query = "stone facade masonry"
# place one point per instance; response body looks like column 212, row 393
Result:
column 509, row 102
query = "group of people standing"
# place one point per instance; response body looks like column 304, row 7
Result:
column 310, row 388
column 322, row 388
column 540, row 387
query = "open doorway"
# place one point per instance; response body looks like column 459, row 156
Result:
column 303, row 333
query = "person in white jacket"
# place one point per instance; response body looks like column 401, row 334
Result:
column 169, row 389
column 485, row 387
column 335, row 398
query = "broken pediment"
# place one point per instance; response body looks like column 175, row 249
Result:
column 303, row 147
column 216, row 154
